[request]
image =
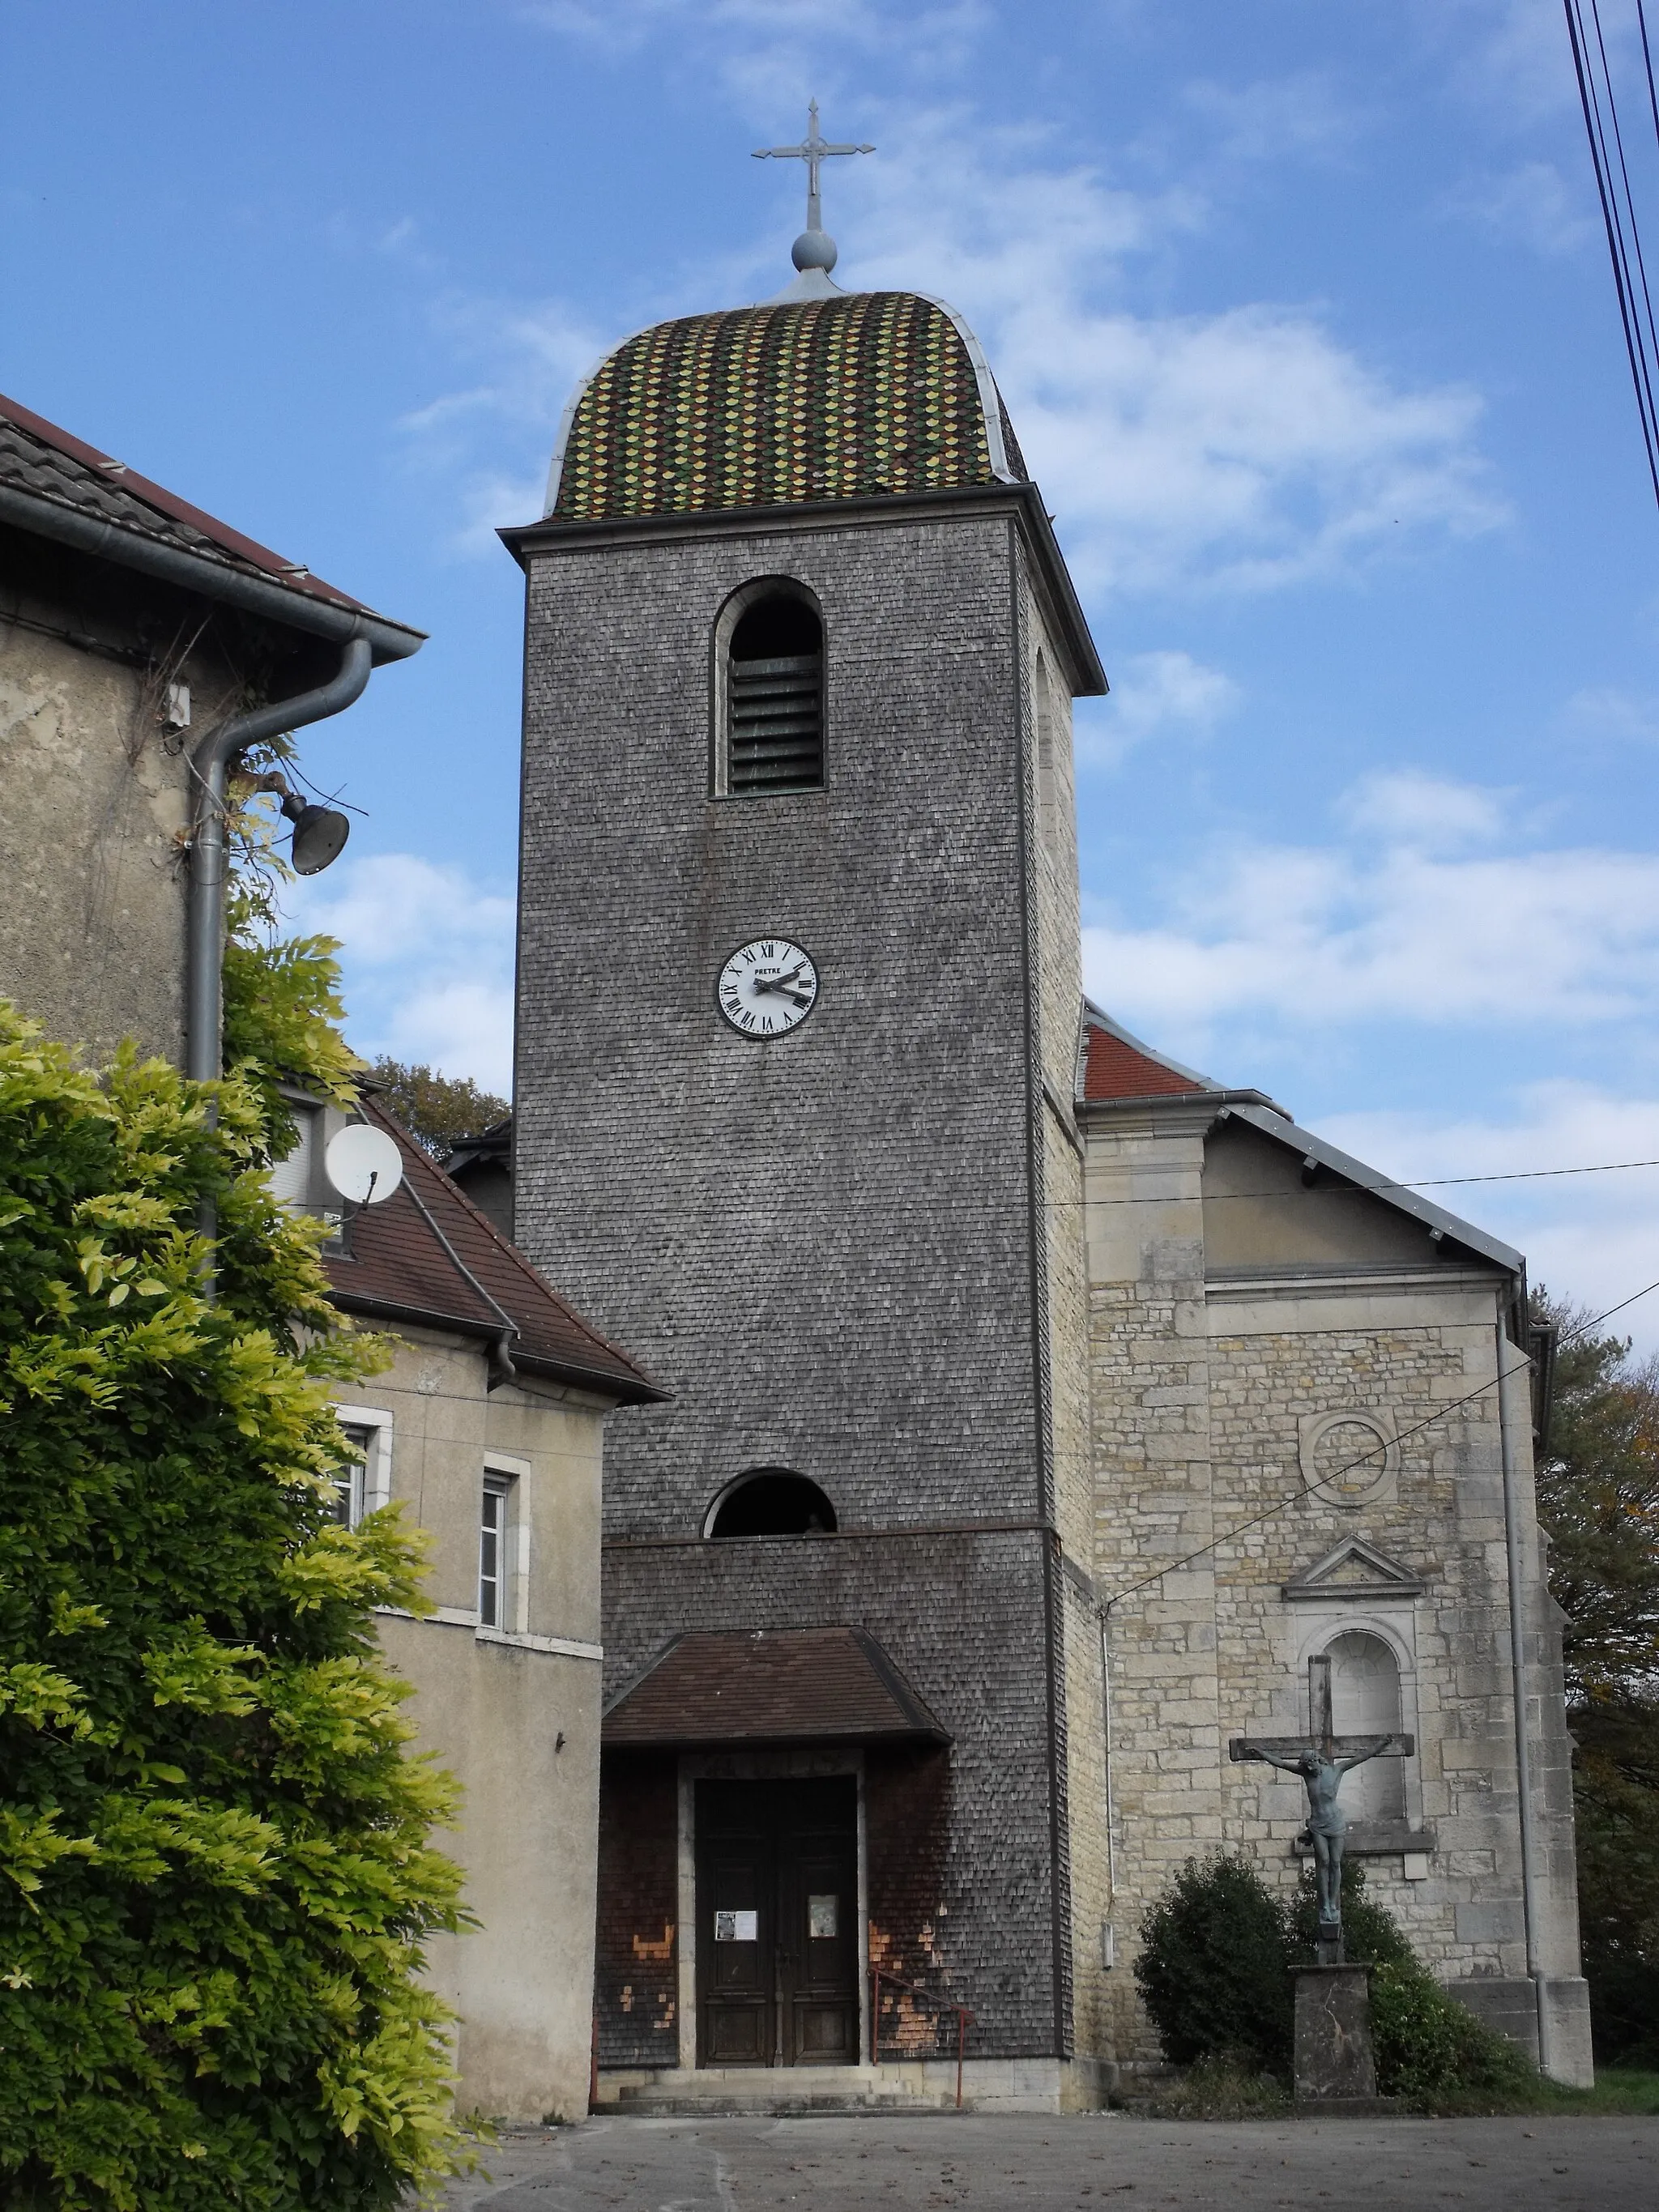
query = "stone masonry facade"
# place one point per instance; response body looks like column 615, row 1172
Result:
column 1211, row 1389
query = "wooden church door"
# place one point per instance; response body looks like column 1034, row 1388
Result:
column 777, row 1923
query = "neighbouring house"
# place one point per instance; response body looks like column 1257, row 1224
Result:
column 1038, row 1407
column 130, row 622
column 489, row 1427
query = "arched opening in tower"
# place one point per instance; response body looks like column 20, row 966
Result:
column 773, row 1501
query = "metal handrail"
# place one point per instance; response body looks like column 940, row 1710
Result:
column 877, row 1975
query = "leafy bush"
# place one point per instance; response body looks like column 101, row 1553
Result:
column 1211, row 1969
column 1215, row 1975
column 215, row 1874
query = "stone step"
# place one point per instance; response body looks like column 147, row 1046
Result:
column 775, row 2092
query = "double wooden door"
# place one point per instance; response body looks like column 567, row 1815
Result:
column 777, row 1943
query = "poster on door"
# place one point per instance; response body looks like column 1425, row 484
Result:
column 737, row 1927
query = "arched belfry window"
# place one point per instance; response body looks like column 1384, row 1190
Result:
column 771, row 1501
column 769, row 691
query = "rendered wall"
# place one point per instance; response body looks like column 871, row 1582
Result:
column 93, row 804
column 513, row 1715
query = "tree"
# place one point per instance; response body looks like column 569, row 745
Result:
column 1598, row 1498
column 436, row 1109
column 215, row 1866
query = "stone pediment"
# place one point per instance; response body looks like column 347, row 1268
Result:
column 1353, row 1571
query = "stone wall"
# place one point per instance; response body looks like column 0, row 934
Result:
column 1221, row 1407
column 95, row 798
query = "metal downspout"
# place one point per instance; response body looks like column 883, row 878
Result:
column 204, row 922
column 1518, row 1679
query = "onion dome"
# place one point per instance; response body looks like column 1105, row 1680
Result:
column 845, row 395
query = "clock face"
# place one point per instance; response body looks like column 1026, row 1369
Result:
column 768, row 987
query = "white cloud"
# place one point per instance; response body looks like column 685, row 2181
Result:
column 1154, row 694
column 1387, row 925
column 1532, row 204
column 1249, row 448
column 1302, row 113
column 492, row 437
column 767, row 52
column 1605, row 710
column 1510, row 58
column 1408, row 807
column 426, row 959
column 1591, row 1239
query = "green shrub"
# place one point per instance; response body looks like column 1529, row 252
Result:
column 1214, row 1973
column 216, row 1873
column 1212, row 1969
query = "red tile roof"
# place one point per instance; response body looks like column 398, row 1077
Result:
column 451, row 1267
column 1116, row 1066
column 38, row 458
column 769, row 1685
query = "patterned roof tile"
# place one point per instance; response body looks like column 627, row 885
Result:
column 845, row 398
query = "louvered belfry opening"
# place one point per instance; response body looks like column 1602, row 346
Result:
column 774, row 699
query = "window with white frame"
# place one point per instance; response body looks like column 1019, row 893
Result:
column 364, row 1488
column 495, row 1529
column 350, row 1482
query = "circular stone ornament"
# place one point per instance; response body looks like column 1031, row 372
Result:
column 1348, row 1458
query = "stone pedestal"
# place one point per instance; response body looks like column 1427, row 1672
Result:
column 1334, row 2068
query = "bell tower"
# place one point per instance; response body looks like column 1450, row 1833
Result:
column 797, row 1024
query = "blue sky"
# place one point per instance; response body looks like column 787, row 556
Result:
column 1304, row 317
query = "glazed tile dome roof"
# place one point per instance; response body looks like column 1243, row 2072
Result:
column 846, row 397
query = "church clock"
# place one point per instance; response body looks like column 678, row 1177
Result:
column 766, row 987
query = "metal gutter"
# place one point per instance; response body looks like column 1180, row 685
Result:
column 204, row 918
column 544, row 1364
column 213, row 580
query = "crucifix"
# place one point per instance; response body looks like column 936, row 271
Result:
column 1322, row 1758
column 814, row 150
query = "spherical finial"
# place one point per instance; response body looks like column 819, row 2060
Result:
column 813, row 249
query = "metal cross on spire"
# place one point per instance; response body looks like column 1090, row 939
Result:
column 814, row 149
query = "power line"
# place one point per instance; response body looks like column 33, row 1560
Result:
column 1613, row 184
column 1283, row 1504
column 1345, row 1189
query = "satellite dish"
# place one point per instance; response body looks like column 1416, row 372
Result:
column 363, row 1163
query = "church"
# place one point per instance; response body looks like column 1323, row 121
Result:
column 1036, row 1407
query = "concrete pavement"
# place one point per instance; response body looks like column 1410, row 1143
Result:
column 1092, row 2162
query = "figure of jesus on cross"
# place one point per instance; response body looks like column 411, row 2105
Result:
column 1321, row 1758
